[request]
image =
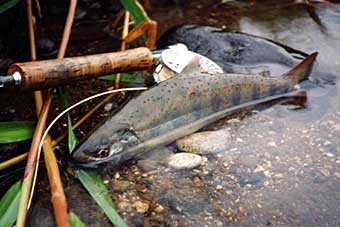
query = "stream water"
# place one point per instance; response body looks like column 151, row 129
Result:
column 282, row 167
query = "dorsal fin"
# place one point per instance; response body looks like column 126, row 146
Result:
column 302, row 70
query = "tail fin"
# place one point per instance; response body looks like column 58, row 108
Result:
column 302, row 70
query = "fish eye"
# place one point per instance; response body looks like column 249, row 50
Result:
column 103, row 152
column 100, row 152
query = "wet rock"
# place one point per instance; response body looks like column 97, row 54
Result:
column 158, row 209
column 272, row 144
column 185, row 198
column 108, row 106
column 141, row 207
column 325, row 172
column 184, row 161
column 116, row 175
column 121, row 186
column 124, row 205
column 250, row 161
column 337, row 175
column 219, row 187
column 207, row 142
column 278, row 176
column 259, row 169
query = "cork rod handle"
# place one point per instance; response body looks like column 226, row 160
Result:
column 49, row 73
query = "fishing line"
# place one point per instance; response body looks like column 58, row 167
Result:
column 59, row 116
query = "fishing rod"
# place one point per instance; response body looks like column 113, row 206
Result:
column 50, row 73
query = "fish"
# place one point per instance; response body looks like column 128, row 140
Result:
column 181, row 106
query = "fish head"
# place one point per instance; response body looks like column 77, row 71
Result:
column 104, row 146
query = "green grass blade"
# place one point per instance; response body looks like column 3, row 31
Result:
column 74, row 220
column 9, row 205
column 72, row 139
column 138, row 14
column 14, row 131
column 95, row 186
column 7, row 5
column 125, row 77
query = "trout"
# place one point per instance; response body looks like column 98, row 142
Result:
column 180, row 106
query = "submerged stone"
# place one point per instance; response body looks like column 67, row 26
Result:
column 121, row 186
column 184, row 161
column 207, row 142
column 141, row 207
column 250, row 161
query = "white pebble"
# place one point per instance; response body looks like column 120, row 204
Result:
column 185, row 161
column 272, row 144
